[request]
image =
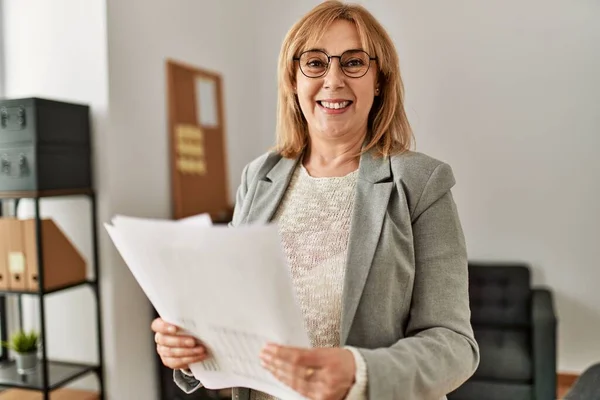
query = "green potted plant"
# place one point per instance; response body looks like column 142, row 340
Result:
column 25, row 346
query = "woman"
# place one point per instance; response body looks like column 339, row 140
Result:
column 370, row 228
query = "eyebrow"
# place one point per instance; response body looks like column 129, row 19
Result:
column 324, row 51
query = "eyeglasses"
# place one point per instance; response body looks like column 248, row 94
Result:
column 315, row 63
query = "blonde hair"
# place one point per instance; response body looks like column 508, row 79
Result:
column 388, row 127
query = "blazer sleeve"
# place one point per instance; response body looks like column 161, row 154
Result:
column 239, row 198
column 439, row 351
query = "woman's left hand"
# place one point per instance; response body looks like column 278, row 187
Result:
column 320, row 374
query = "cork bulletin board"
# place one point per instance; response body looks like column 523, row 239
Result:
column 198, row 161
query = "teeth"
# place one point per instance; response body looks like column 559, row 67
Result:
column 335, row 106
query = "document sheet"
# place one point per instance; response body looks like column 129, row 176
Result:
column 229, row 287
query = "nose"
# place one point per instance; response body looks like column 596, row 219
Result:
column 334, row 78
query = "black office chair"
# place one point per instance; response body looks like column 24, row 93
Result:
column 515, row 327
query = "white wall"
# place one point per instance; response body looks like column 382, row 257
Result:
column 508, row 93
column 59, row 52
column 2, row 86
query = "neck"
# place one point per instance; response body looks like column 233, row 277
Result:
column 326, row 158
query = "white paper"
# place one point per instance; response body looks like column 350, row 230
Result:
column 206, row 102
column 229, row 287
column 200, row 219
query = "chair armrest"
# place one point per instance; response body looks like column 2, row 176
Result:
column 544, row 322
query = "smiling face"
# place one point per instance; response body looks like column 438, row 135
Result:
column 337, row 106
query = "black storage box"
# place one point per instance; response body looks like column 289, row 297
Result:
column 44, row 145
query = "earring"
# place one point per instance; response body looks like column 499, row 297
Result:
column 377, row 91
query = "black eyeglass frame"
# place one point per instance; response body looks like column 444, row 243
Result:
column 329, row 62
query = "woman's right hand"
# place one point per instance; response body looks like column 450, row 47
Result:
column 176, row 350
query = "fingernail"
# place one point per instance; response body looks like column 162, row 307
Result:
column 190, row 342
column 171, row 329
column 200, row 350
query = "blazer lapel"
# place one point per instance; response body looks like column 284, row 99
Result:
column 270, row 190
column 373, row 190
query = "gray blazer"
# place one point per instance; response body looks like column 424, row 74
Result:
column 405, row 299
